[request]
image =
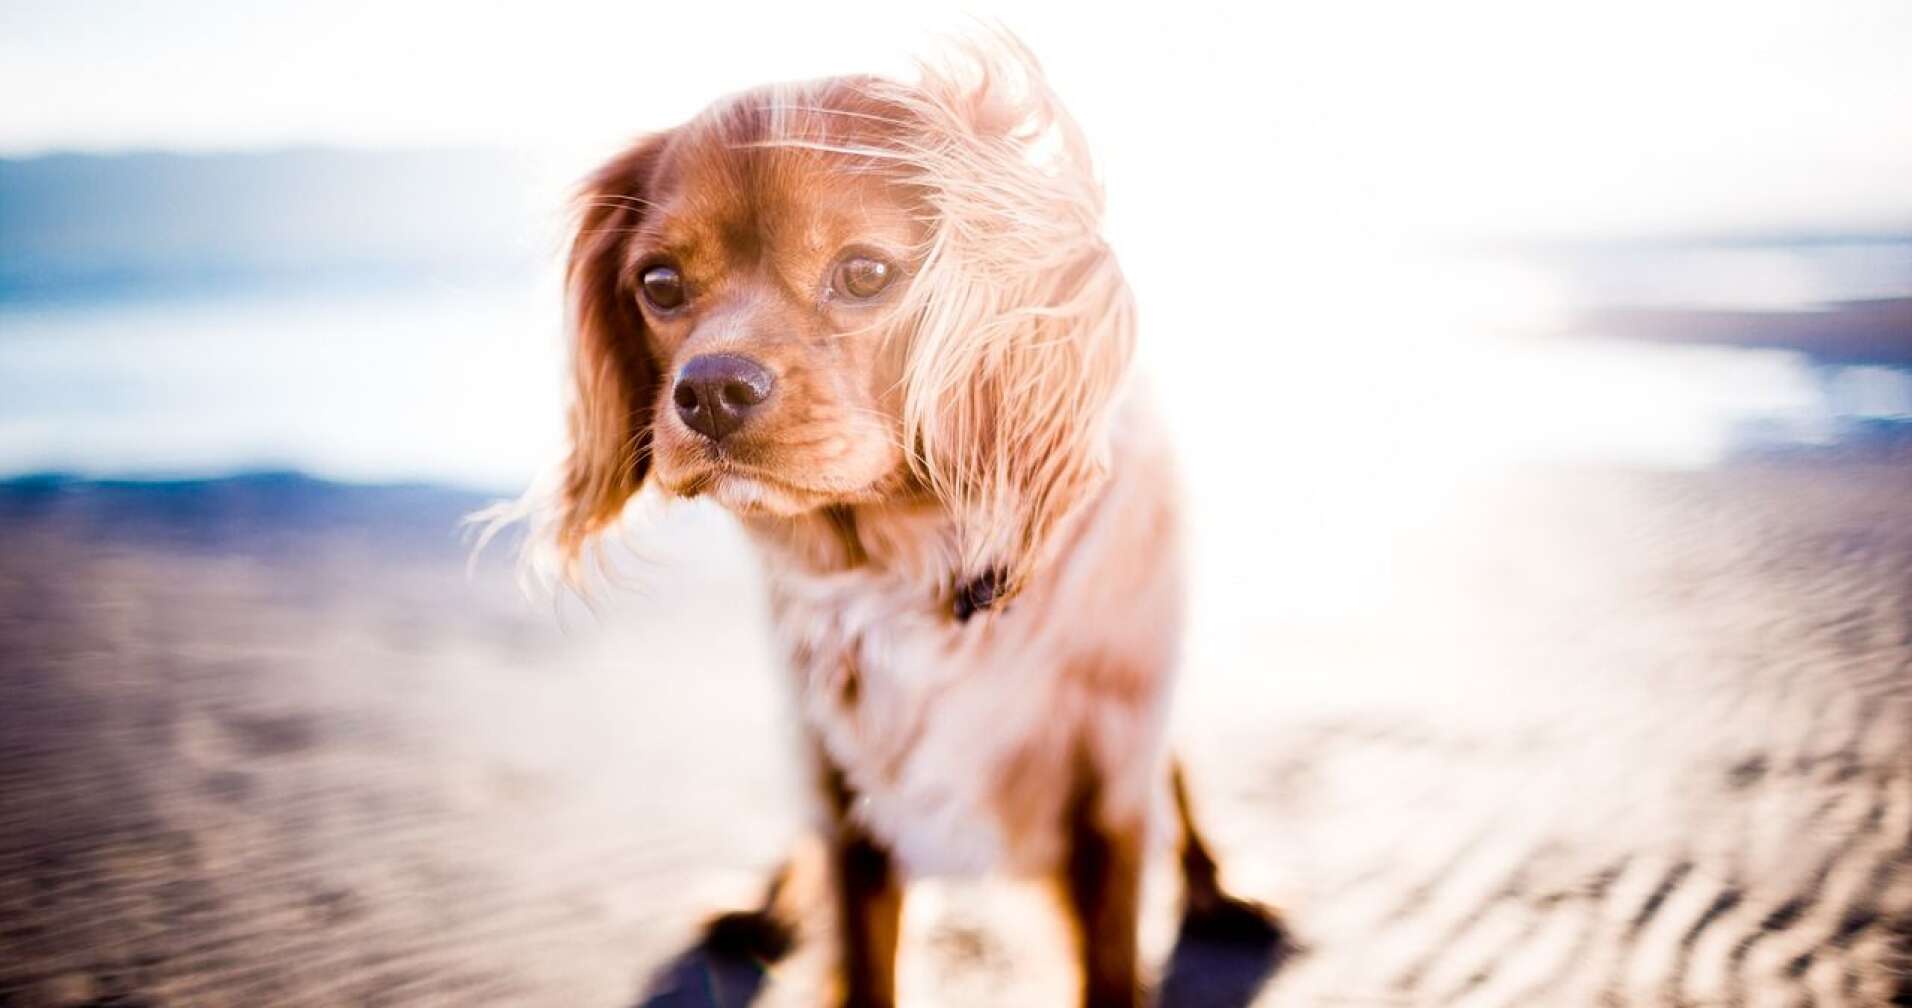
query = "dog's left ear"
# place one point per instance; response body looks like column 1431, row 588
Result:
column 615, row 379
column 1024, row 325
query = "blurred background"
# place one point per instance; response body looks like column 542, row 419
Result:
column 1553, row 611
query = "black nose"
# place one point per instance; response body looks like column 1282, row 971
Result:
column 716, row 392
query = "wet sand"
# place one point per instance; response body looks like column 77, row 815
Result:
column 1614, row 738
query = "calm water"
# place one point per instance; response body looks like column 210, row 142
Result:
column 1415, row 376
column 445, row 382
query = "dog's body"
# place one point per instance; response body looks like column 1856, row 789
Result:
column 877, row 322
column 964, row 740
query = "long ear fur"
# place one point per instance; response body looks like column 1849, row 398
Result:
column 615, row 379
column 1024, row 324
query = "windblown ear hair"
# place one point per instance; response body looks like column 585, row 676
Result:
column 1024, row 324
column 615, row 379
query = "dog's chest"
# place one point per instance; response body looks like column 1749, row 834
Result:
column 940, row 728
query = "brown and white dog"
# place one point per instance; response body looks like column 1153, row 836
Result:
column 878, row 323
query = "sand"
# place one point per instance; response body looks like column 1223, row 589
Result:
column 1609, row 737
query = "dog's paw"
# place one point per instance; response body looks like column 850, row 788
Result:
column 751, row 935
column 1235, row 921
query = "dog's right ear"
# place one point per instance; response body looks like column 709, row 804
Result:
column 615, row 376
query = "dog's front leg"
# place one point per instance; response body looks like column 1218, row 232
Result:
column 1102, row 882
column 869, row 899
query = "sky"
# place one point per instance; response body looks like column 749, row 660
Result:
column 1456, row 119
column 1276, row 173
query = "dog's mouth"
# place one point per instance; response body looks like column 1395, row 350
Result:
column 747, row 489
column 788, row 473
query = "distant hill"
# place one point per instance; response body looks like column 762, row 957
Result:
column 248, row 511
column 84, row 225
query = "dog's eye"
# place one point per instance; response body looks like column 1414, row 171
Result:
column 663, row 287
column 862, row 277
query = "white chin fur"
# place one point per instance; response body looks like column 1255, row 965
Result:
column 748, row 496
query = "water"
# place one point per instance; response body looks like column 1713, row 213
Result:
column 1410, row 372
column 448, row 381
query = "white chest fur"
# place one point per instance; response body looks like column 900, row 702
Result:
column 930, row 720
column 963, row 742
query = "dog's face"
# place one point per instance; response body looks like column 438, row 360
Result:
column 849, row 292
column 768, row 278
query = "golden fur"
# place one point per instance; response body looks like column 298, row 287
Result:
column 967, row 515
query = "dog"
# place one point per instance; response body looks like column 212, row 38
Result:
column 878, row 323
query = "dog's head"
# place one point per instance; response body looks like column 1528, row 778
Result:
column 852, row 291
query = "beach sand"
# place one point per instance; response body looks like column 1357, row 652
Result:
column 1614, row 738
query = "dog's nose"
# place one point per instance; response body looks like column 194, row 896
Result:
column 716, row 392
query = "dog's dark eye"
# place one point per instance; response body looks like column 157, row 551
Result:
column 663, row 287
column 862, row 277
